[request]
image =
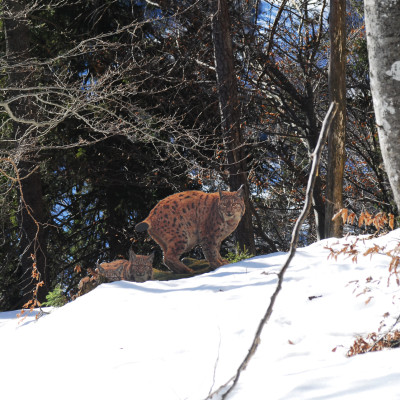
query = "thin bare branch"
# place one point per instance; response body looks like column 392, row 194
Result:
column 293, row 245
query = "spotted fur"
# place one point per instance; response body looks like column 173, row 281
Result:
column 138, row 269
column 87, row 283
column 183, row 220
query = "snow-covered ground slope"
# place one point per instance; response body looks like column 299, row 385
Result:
column 183, row 339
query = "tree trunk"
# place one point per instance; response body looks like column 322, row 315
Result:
column 336, row 141
column 311, row 142
column 383, row 41
column 33, row 233
column 319, row 209
column 32, row 210
column 230, row 115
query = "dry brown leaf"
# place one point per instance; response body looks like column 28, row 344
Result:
column 361, row 220
column 78, row 269
column 344, row 215
column 391, row 221
column 369, row 299
column 338, row 214
column 351, row 218
column 367, row 218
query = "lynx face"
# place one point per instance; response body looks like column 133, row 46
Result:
column 142, row 268
column 231, row 207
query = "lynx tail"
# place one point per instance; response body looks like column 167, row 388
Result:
column 141, row 227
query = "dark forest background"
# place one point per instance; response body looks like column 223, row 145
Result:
column 108, row 106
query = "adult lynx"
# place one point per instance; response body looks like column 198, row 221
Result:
column 183, row 220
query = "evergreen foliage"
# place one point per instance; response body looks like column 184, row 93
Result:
column 238, row 255
column 55, row 298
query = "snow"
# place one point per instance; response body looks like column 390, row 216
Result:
column 183, row 339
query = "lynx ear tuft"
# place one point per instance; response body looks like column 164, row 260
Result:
column 240, row 191
column 132, row 254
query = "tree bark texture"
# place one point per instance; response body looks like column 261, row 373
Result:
column 311, row 142
column 318, row 209
column 32, row 209
column 336, row 141
column 230, row 114
column 383, row 40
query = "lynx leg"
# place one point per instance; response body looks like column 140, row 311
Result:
column 211, row 253
column 158, row 239
column 171, row 253
column 171, row 260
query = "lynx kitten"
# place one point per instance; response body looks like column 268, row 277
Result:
column 137, row 269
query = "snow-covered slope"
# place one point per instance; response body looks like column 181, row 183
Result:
column 183, row 339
